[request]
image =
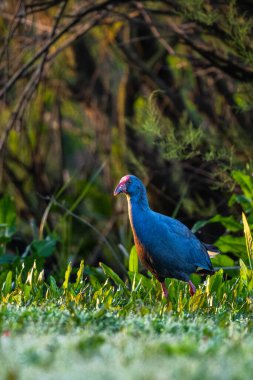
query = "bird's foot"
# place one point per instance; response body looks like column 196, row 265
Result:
column 192, row 288
column 164, row 289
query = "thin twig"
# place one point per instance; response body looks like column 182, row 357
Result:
column 80, row 32
column 31, row 85
column 237, row 267
column 52, row 41
column 153, row 28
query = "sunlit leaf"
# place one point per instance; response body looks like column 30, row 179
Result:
column 79, row 274
column 7, row 286
column 248, row 240
column 111, row 274
column 245, row 181
column 67, row 275
column 133, row 260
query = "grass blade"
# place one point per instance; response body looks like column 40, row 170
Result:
column 133, row 260
column 248, row 239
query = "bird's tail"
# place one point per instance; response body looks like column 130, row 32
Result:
column 211, row 250
column 204, row 272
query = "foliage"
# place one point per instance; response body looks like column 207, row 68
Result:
column 92, row 90
column 112, row 293
column 91, row 324
column 72, row 100
column 91, row 313
column 67, row 341
column 232, row 242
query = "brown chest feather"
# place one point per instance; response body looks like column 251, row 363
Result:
column 144, row 257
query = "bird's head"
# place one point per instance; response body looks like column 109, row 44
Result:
column 131, row 186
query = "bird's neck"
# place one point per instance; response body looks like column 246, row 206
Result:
column 137, row 207
column 138, row 201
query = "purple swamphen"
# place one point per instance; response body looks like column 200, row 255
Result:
column 165, row 246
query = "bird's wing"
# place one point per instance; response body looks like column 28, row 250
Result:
column 197, row 249
column 176, row 226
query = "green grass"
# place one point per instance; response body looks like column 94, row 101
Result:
column 111, row 329
column 61, row 342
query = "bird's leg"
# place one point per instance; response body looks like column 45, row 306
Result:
column 164, row 289
column 192, row 288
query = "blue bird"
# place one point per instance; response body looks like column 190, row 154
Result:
column 165, row 246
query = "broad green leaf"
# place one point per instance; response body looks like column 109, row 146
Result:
column 133, row 260
column 243, row 201
column 232, row 244
column 7, row 211
column 245, row 181
column 7, row 286
column 213, row 283
column 27, row 292
column 222, row 261
column 243, row 271
column 111, row 274
column 228, row 222
column 141, row 281
column 43, row 248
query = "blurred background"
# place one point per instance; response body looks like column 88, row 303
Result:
column 93, row 90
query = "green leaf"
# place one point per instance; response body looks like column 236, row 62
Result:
column 228, row 222
column 7, row 211
column 7, row 258
column 248, row 240
column 245, row 181
column 232, row 244
column 7, row 286
column 30, row 275
column 43, row 248
column 222, row 261
column 213, row 283
column 140, row 279
column 243, row 271
column 67, row 275
column 53, row 286
column 198, row 225
column 133, row 260
column 112, row 275
column 79, row 274
column 6, row 233
column 242, row 200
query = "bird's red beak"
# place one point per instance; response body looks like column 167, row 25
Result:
column 121, row 188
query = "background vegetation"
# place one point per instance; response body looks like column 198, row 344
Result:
column 93, row 90
column 90, row 91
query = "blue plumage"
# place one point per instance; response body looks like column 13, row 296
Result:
column 165, row 246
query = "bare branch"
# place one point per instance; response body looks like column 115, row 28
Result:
column 53, row 40
column 31, row 85
column 153, row 28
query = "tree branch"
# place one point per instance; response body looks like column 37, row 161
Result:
column 53, row 40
